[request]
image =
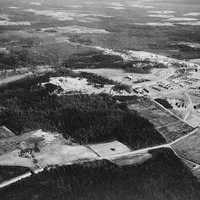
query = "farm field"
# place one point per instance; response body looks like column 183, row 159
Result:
column 106, row 180
column 188, row 147
column 99, row 99
column 167, row 124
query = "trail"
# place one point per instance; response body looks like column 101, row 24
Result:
column 23, row 73
column 14, row 78
column 14, row 180
column 130, row 156
column 134, row 158
column 190, row 106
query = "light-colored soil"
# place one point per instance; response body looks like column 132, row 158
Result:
column 109, row 148
column 53, row 150
column 120, row 75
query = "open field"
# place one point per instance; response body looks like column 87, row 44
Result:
column 156, row 179
column 109, row 149
column 120, row 75
column 169, row 79
column 99, row 99
column 86, row 118
column 71, row 35
column 38, row 150
column 170, row 126
column 197, row 61
column 189, row 147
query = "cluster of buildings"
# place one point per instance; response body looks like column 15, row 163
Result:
column 141, row 91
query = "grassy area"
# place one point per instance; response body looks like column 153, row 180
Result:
column 164, row 177
column 189, row 147
column 167, row 124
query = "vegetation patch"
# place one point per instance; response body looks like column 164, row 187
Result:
column 96, row 79
column 8, row 172
column 120, row 87
column 86, row 118
column 163, row 177
column 164, row 103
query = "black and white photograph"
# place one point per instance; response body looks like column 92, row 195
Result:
column 99, row 99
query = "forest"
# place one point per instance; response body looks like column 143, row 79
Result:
column 26, row 105
column 163, row 177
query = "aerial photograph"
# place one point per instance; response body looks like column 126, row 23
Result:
column 99, row 99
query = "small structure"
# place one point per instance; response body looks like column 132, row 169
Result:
column 26, row 153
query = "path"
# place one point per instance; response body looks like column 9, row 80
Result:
column 131, row 158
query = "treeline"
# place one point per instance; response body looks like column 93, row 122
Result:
column 100, row 60
column 142, row 67
column 22, row 57
column 120, row 87
column 164, row 102
column 93, row 59
column 96, row 79
column 87, row 118
column 28, row 55
column 162, row 178
column 9, row 172
column 93, row 79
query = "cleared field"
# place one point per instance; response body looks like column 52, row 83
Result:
column 11, row 143
column 56, row 151
column 109, row 148
column 197, row 61
column 189, row 147
column 163, row 177
column 120, row 75
column 170, row 126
